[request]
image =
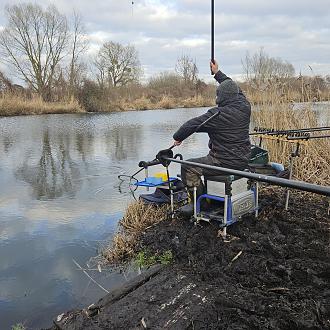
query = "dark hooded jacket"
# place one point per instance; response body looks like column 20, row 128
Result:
column 228, row 132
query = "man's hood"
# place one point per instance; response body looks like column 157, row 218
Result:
column 226, row 91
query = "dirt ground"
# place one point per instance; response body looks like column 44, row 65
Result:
column 271, row 273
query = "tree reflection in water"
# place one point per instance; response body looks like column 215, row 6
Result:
column 56, row 174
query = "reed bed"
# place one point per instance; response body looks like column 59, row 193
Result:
column 12, row 105
column 138, row 218
column 198, row 101
column 313, row 165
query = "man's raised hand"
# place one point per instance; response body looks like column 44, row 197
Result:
column 214, row 67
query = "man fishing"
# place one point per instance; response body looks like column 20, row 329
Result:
column 228, row 132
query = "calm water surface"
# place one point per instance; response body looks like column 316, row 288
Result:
column 59, row 201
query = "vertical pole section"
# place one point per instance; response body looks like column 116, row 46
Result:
column 290, row 177
column 225, row 217
column 257, row 198
column 293, row 155
column 195, row 203
column 170, row 187
column 212, row 31
column 147, row 175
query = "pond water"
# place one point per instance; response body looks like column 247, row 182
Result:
column 60, row 200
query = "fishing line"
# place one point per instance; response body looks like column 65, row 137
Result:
column 125, row 177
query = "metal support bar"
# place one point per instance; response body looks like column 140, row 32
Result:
column 299, row 185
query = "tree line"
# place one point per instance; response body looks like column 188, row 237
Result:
column 48, row 51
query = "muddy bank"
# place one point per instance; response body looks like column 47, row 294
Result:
column 271, row 273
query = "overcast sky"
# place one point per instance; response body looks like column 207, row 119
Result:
column 296, row 31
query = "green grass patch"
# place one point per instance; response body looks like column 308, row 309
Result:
column 18, row 326
column 146, row 259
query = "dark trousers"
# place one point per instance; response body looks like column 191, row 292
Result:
column 191, row 176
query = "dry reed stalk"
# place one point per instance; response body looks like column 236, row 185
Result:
column 137, row 219
column 313, row 165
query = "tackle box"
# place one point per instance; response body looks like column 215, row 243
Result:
column 258, row 156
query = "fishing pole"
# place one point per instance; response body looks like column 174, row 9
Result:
column 212, row 32
column 259, row 130
column 308, row 137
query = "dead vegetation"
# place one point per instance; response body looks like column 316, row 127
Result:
column 138, row 217
column 13, row 105
column 313, row 164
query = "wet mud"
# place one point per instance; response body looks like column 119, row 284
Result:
column 270, row 273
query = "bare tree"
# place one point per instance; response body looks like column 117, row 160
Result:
column 78, row 48
column 34, row 42
column 100, row 65
column 117, row 64
column 186, row 68
column 260, row 68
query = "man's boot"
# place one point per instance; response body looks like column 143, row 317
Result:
column 187, row 210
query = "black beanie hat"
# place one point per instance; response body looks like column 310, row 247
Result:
column 226, row 90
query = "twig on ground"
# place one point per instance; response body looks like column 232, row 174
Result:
column 235, row 258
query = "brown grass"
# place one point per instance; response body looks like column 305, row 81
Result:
column 12, row 105
column 198, row 101
column 137, row 219
column 167, row 102
column 313, row 165
column 141, row 103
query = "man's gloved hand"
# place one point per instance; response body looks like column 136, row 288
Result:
column 214, row 67
column 177, row 143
